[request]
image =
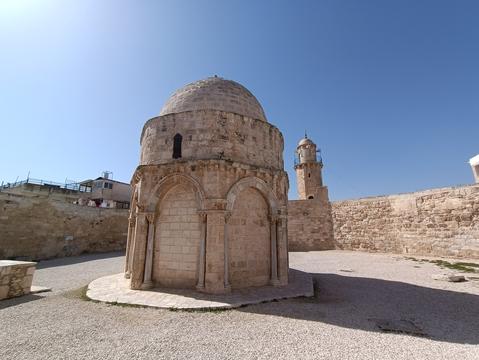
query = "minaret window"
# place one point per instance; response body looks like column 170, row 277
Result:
column 177, row 139
column 310, row 197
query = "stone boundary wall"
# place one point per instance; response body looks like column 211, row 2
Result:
column 36, row 227
column 438, row 222
column 310, row 225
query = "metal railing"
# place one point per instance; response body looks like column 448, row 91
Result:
column 52, row 184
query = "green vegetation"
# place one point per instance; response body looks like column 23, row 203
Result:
column 115, row 303
column 80, row 294
column 202, row 310
column 459, row 266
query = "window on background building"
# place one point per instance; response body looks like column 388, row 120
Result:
column 107, row 185
column 177, row 139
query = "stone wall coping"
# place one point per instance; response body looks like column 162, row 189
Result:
column 413, row 193
column 5, row 194
column 6, row 263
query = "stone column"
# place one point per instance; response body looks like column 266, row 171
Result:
column 129, row 245
column 274, row 251
column 139, row 251
column 227, row 251
column 282, row 238
column 147, row 283
column 202, row 260
column 215, row 253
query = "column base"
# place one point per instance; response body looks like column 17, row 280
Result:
column 283, row 281
column 127, row 275
column 147, row 285
column 217, row 291
column 275, row 282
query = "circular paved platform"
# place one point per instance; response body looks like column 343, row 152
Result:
column 115, row 289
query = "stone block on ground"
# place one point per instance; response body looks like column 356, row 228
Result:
column 15, row 278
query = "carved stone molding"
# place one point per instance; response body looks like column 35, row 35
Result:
column 150, row 216
column 273, row 218
column 203, row 215
column 132, row 221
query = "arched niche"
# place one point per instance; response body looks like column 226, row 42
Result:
column 251, row 206
column 177, row 201
column 177, row 238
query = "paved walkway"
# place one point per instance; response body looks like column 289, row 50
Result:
column 115, row 289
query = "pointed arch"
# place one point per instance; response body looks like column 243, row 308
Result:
column 256, row 183
column 161, row 189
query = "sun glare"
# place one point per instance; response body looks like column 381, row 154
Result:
column 13, row 9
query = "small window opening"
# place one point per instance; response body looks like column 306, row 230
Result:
column 177, row 139
column 309, row 175
column 310, row 197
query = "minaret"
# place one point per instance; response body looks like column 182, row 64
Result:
column 308, row 170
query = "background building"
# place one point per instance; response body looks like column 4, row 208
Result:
column 106, row 192
column 475, row 167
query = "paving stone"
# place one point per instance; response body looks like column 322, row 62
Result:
column 115, row 288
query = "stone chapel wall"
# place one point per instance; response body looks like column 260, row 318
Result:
column 41, row 227
column 211, row 134
column 438, row 222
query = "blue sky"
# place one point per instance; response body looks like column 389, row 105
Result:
column 389, row 90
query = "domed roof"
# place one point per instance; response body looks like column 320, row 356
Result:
column 305, row 141
column 214, row 93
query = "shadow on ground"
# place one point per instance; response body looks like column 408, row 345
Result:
column 363, row 303
column 356, row 303
column 43, row 264
column 6, row 303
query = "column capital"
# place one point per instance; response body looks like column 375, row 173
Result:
column 132, row 220
column 226, row 213
column 150, row 216
column 144, row 213
column 227, row 216
column 203, row 214
column 273, row 218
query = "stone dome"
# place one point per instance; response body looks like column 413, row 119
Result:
column 214, row 93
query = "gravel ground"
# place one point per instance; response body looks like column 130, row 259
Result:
column 356, row 292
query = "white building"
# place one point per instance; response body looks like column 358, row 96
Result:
column 475, row 167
